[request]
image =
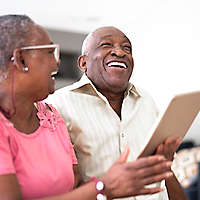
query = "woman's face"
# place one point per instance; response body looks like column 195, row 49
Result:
column 41, row 64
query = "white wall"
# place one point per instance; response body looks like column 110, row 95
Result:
column 165, row 35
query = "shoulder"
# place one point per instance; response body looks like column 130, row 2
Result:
column 143, row 92
column 147, row 98
column 61, row 93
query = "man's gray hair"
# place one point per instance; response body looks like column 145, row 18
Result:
column 84, row 49
column 85, row 43
column 13, row 33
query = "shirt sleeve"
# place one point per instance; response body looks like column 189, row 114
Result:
column 6, row 160
column 72, row 152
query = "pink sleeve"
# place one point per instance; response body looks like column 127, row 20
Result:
column 6, row 161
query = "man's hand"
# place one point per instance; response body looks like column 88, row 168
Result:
column 129, row 179
column 169, row 147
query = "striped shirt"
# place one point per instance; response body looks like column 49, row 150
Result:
column 98, row 134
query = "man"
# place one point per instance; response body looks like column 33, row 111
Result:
column 104, row 112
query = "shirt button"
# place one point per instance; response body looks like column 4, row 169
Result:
column 122, row 134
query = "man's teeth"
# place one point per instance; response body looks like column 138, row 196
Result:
column 117, row 64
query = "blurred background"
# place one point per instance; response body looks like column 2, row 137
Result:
column 165, row 35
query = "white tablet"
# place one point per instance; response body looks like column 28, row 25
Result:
column 175, row 120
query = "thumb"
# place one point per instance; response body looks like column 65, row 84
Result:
column 123, row 157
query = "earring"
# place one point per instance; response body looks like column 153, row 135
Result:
column 12, row 59
column 25, row 69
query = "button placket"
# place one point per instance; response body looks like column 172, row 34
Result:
column 123, row 138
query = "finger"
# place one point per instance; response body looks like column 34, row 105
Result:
column 146, row 161
column 171, row 140
column 156, row 178
column 178, row 142
column 145, row 191
column 159, row 149
column 154, row 170
column 123, row 157
column 171, row 146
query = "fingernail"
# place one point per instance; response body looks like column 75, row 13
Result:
column 161, row 158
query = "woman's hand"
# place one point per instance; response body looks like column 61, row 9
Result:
column 129, row 179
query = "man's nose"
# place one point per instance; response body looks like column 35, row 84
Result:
column 117, row 51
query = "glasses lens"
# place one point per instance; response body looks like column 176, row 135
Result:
column 54, row 47
column 56, row 54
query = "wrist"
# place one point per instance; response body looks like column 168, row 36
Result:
column 100, row 187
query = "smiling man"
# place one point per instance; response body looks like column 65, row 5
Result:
column 104, row 112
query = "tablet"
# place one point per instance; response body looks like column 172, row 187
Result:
column 175, row 120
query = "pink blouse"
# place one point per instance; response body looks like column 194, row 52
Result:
column 42, row 161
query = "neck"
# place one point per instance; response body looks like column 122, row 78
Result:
column 25, row 118
column 21, row 109
column 18, row 107
column 115, row 100
column 6, row 102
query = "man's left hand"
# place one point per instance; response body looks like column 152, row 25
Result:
column 169, row 147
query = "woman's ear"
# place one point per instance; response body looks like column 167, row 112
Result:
column 18, row 60
column 82, row 63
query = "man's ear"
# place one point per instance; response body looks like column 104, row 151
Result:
column 82, row 63
column 18, row 60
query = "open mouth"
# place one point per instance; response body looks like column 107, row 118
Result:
column 54, row 74
column 117, row 64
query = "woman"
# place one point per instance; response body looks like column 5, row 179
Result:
column 36, row 155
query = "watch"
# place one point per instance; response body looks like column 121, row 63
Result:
column 99, row 186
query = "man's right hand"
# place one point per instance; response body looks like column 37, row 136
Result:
column 125, row 179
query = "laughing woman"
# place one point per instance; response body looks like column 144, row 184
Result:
column 36, row 155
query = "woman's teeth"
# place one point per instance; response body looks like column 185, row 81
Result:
column 53, row 74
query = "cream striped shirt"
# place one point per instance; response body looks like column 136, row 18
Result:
column 98, row 134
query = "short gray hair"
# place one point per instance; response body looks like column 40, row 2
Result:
column 84, row 49
column 85, row 43
column 13, row 33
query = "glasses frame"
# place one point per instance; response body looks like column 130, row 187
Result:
column 56, row 46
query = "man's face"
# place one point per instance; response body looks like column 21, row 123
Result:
column 109, row 60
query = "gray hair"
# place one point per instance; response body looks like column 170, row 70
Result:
column 84, row 49
column 85, row 43
column 13, row 33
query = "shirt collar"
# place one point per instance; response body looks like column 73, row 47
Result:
column 86, row 81
column 132, row 89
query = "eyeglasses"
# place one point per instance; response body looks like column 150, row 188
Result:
column 56, row 51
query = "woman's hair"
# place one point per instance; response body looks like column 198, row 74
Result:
column 13, row 33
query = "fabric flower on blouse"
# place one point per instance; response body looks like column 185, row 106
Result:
column 48, row 118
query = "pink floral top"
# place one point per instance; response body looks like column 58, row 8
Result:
column 43, row 160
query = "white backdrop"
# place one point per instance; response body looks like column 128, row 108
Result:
column 165, row 35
